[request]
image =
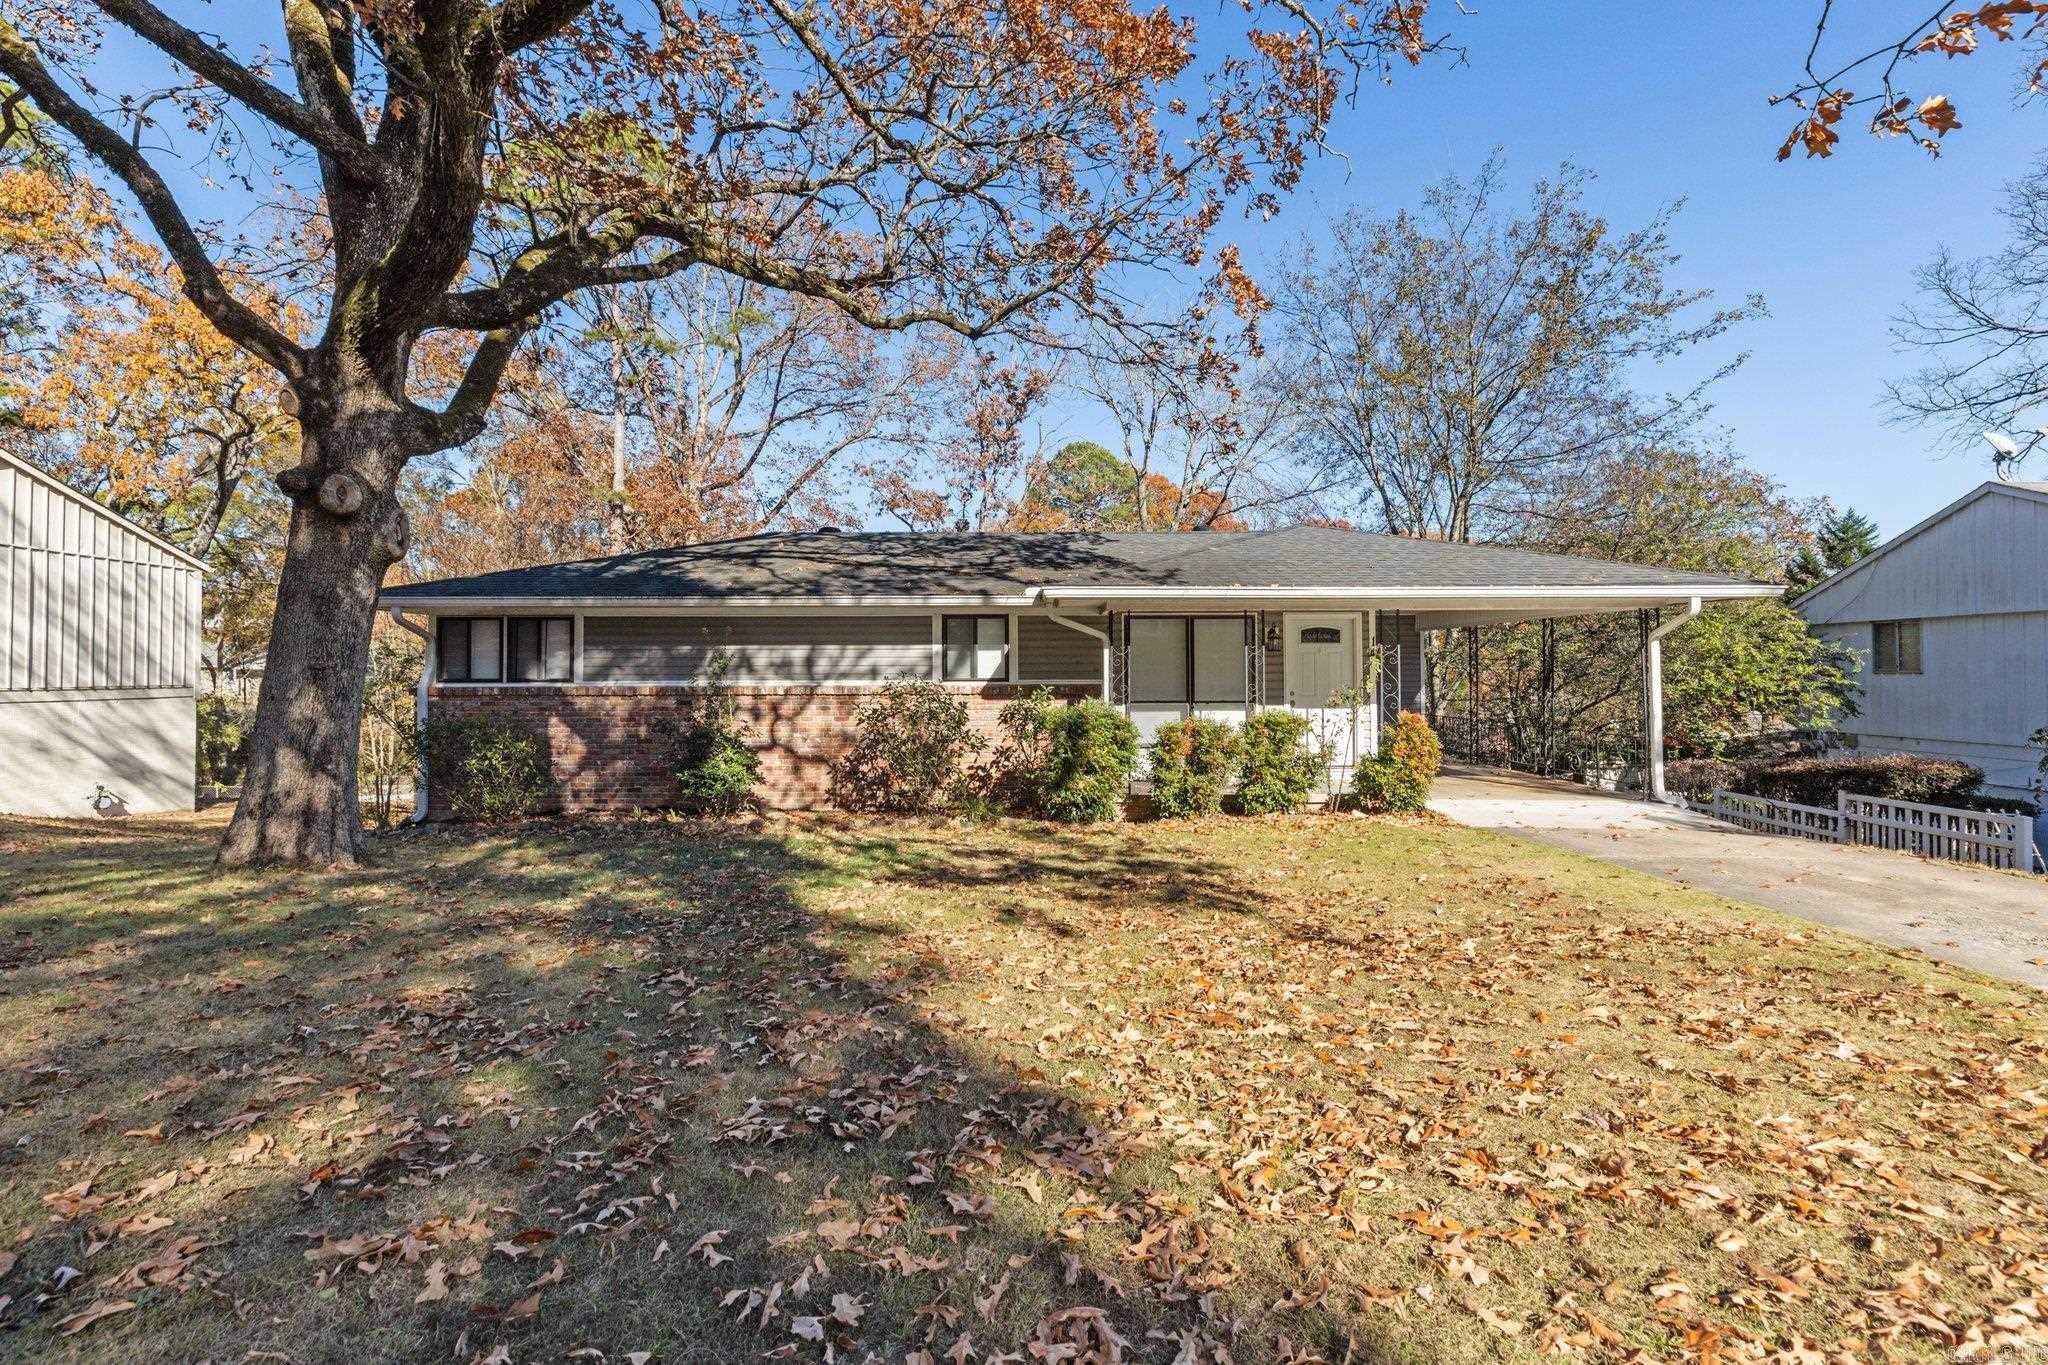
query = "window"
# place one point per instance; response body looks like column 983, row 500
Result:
column 471, row 649
column 541, row 649
column 491, row 649
column 1158, row 662
column 1199, row 659
column 1219, row 659
column 1896, row 647
column 977, row 648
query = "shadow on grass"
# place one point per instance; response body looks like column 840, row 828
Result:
column 601, row 1044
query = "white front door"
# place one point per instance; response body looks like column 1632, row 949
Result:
column 1321, row 667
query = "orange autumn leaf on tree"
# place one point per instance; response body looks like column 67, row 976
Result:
column 1896, row 113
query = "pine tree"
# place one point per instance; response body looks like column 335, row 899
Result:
column 1846, row 537
column 1804, row 570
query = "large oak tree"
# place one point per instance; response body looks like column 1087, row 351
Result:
column 983, row 166
column 977, row 166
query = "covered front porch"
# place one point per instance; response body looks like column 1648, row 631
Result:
column 1348, row 664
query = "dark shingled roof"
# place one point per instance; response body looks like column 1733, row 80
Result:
column 799, row 565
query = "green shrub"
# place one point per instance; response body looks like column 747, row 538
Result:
column 1009, row 780
column 1400, row 775
column 912, row 747
column 1699, row 777
column 1192, row 763
column 484, row 770
column 1090, row 752
column 707, row 750
column 223, row 739
column 1813, row 781
column 1276, row 773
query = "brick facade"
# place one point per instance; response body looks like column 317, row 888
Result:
column 603, row 753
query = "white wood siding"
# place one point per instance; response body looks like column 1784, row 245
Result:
column 1981, row 690
column 1988, row 557
column 1050, row 652
column 87, row 602
column 765, row 649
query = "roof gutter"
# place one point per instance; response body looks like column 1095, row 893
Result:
column 1658, row 592
column 419, row 712
column 912, row 602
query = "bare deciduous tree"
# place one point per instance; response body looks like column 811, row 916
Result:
column 1442, row 362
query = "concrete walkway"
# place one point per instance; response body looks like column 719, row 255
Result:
column 1993, row 922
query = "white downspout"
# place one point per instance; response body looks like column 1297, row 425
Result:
column 419, row 709
column 1071, row 624
column 1654, row 686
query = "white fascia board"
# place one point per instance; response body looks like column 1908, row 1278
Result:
column 711, row 605
column 1661, row 592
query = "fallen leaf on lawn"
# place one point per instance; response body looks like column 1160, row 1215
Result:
column 707, row 1246
column 525, row 1308
column 155, row 1132
column 437, row 1284
column 78, row 1322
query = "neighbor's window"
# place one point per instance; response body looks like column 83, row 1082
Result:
column 540, row 648
column 977, row 648
column 1896, row 645
column 471, row 649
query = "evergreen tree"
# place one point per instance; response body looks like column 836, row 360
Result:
column 1805, row 569
column 1846, row 537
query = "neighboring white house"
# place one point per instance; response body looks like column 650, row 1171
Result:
column 1951, row 621
column 99, row 656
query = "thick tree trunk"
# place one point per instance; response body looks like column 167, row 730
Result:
column 298, row 802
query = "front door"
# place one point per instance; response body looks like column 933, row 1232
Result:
column 1322, row 675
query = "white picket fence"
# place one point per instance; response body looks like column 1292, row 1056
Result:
column 1989, row 838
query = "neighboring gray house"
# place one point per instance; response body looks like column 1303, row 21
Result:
column 1163, row 624
column 1951, row 622
column 99, row 656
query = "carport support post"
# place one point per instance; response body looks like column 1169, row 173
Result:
column 1653, row 690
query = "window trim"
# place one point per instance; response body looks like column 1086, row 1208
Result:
column 505, row 625
column 1002, row 674
column 1192, row 702
column 540, row 661
column 1894, row 666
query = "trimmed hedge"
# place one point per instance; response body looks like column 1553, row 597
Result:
column 1813, row 780
column 1277, row 772
column 1090, row 752
column 482, row 769
column 1898, row 777
column 1399, row 777
column 1193, row 761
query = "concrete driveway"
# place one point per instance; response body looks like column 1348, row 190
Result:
column 1993, row 922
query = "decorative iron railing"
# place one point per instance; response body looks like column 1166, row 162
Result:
column 1610, row 758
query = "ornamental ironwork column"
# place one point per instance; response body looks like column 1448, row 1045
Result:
column 1119, row 659
column 1254, row 661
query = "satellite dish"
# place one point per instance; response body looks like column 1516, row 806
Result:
column 2006, row 447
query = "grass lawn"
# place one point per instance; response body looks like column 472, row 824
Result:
column 1251, row 1090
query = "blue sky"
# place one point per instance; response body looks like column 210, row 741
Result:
column 1666, row 101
